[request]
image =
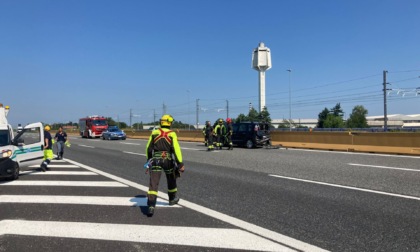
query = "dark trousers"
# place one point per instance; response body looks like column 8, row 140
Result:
column 159, row 165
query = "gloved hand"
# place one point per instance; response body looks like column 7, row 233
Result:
column 181, row 168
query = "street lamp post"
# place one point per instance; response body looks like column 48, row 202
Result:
column 290, row 101
column 188, row 116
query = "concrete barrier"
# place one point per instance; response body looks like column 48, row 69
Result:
column 378, row 142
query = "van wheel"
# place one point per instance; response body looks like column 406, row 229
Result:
column 15, row 174
column 249, row 144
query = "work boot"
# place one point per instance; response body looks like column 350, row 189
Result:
column 43, row 167
column 150, row 211
column 174, row 201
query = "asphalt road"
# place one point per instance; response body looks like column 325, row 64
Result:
column 243, row 199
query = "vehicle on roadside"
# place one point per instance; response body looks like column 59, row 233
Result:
column 23, row 150
column 92, row 126
column 113, row 132
column 251, row 134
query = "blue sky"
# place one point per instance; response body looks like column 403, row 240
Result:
column 62, row 60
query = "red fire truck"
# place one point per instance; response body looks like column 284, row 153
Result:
column 92, row 126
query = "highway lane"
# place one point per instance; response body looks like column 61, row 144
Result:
column 238, row 183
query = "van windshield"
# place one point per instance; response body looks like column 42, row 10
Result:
column 4, row 138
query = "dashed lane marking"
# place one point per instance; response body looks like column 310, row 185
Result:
column 347, row 187
column 222, row 238
column 252, row 229
column 86, row 146
column 81, row 200
column 386, row 167
column 62, row 183
column 131, row 143
column 78, row 173
column 134, row 153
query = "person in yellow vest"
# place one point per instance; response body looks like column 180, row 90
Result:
column 163, row 153
column 48, row 152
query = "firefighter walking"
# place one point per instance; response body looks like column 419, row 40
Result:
column 163, row 154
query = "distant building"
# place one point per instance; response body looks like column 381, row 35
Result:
column 397, row 121
column 310, row 123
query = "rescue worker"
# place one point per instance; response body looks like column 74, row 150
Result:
column 163, row 153
column 209, row 136
column 48, row 152
column 61, row 139
column 219, row 132
column 3, row 114
column 206, row 136
column 229, row 132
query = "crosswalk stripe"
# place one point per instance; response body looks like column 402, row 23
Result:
column 223, row 238
column 82, row 200
column 62, row 183
column 83, row 173
column 252, row 228
column 56, row 166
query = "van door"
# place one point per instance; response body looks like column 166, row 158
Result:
column 29, row 145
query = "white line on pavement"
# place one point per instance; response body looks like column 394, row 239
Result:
column 357, row 153
column 87, row 146
column 251, row 228
column 133, row 153
column 223, row 238
column 62, row 183
column 81, row 200
column 56, row 166
column 130, row 143
column 347, row 187
column 185, row 148
column 82, row 173
column 385, row 167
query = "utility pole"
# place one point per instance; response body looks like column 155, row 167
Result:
column 227, row 109
column 197, row 111
column 154, row 117
column 131, row 115
column 164, row 109
column 290, row 101
column 385, row 108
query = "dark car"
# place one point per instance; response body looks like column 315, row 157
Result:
column 251, row 134
column 113, row 132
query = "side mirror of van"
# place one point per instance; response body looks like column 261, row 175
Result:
column 19, row 142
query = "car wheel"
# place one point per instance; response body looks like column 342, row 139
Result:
column 15, row 175
column 103, row 137
column 249, row 144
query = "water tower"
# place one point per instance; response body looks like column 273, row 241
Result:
column 261, row 61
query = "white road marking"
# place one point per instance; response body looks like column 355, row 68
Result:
column 348, row 187
column 87, row 146
column 81, row 200
column 130, row 143
column 356, row 153
column 223, row 238
column 133, row 153
column 185, row 148
column 251, row 228
column 385, row 167
column 56, row 166
column 62, row 183
column 78, row 173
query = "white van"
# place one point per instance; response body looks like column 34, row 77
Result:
column 24, row 150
